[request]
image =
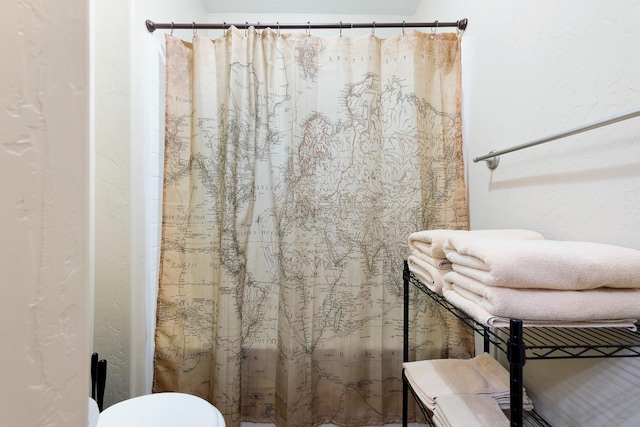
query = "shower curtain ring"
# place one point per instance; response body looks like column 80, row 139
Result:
column 258, row 33
column 309, row 29
column 373, row 30
column 195, row 31
column 403, row 24
column 171, row 34
column 340, row 28
column 278, row 30
column 246, row 28
column 224, row 30
column 433, row 30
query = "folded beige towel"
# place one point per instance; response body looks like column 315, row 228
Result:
column 427, row 273
column 545, row 264
column 439, row 263
column 431, row 242
column 431, row 379
column 603, row 305
column 482, row 316
column 466, row 410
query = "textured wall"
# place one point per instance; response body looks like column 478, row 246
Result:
column 112, row 305
column 44, row 213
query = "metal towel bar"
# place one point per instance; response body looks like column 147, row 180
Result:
column 493, row 157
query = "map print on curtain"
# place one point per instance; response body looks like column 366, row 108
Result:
column 295, row 169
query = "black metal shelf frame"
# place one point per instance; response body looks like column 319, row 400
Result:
column 521, row 344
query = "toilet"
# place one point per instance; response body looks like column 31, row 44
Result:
column 162, row 410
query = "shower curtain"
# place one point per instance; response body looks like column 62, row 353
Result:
column 295, row 168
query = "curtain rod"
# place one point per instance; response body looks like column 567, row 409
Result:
column 493, row 157
column 152, row 26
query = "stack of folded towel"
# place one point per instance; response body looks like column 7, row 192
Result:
column 428, row 260
column 431, row 380
column 464, row 410
column 543, row 282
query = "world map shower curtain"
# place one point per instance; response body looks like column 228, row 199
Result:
column 295, row 168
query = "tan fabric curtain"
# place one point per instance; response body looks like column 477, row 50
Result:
column 295, row 168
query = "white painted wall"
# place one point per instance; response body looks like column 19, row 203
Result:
column 44, row 170
column 112, row 308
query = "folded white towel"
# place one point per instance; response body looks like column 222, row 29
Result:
column 427, row 273
column 603, row 305
column 431, row 242
column 464, row 410
column 546, row 264
column 431, row 379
